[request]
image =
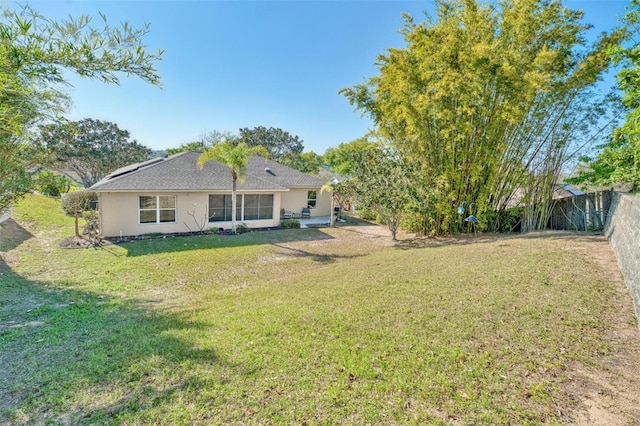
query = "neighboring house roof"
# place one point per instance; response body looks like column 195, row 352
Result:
column 564, row 190
column 180, row 172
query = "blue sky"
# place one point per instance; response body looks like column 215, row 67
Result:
column 231, row 64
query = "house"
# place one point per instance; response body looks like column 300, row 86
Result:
column 561, row 190
column 172, row 195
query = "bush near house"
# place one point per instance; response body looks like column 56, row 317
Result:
column 290, row 224
column 53, row 184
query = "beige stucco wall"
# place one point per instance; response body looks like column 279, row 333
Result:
column 295, row 199
column 119, row 214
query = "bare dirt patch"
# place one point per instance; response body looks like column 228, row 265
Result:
column 80, row 242
column 608, row 392
column 75, row 242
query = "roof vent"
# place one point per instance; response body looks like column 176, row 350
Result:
column 268, row 170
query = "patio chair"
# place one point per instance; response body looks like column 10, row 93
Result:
column 285, row 214
column 306, row 213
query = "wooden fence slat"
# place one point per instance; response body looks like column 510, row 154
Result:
column 581, row 212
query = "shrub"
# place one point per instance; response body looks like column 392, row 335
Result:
column 52, row 184
column 242, row 228
column 91, row 226
column 505, row 221
column 290, row 224
column 368, row 214
column 76, row 203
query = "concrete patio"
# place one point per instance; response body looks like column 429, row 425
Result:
column 315, row 221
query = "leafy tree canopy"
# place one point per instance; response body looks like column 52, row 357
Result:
column 282, row 146
column 341, row 158
column 619, row 159
column 52, row 183
column 307, row 162
column 34, row 54
column 486, row 96
column 91, row 148
column 207, row 141
column 381, row 179
column 198, row 146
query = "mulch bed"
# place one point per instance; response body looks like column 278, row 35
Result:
column 78, row 242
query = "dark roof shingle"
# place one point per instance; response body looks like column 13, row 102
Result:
column 180, row 172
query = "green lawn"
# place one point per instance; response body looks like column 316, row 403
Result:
column 311, row 326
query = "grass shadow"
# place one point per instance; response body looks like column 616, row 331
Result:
column 488, row 238
column 323, row 258
column 12, row 235
column 204, row 242
column 58, row 342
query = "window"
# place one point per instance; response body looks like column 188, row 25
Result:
column 220, row 208
column 259, row 206
column 312, row 199
column 255, row 207
column 157, row 208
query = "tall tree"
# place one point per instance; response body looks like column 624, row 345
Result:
column 35, row 52
column 341, row 158
column 207, row 140
column 91, row 148
column 233, row 154
column 488, row 98
column 381, row 179
column 619, row 159
column 282, row 146
column 198, row 146
column 307, row 162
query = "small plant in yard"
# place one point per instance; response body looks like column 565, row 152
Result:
column 200, row 223
column 290, row 224
column 92, row 224
column 76, row 203
column 242, row 228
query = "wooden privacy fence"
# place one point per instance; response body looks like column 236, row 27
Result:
column 581, row 212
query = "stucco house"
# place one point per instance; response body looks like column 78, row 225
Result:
column 170, row 195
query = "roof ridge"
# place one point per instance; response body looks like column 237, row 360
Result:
column 267, row 181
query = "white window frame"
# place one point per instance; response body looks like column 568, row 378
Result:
column 158, row 209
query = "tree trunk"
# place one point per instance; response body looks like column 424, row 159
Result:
column 393, row 226
column 233, row 204
column 77, row 226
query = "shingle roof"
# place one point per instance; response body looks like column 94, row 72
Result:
column 180, row 172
